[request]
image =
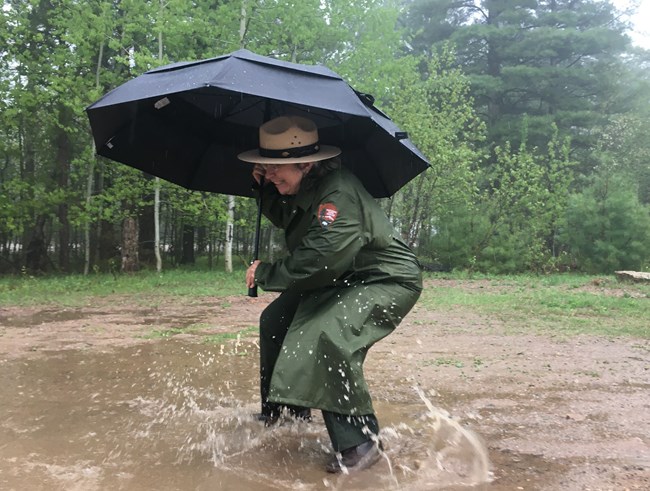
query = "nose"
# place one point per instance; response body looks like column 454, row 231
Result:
column 270, row 169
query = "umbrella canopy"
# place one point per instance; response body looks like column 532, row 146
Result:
column 187, row 122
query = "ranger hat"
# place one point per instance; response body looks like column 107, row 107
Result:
column 289, row 140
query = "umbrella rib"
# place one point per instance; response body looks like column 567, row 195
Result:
column 254, row 103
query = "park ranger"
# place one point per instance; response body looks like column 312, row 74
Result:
column 346, row 283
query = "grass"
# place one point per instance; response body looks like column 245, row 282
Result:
column 77, row 290
column 446, row 362
column 561, row 304
column 172, row 331
column 228, row 336
column 555, row 304
column 209, row 338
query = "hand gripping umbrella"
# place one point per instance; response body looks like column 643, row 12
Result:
column 187, row 122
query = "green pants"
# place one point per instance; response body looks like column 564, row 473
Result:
column 274, row 324
column 312, row 348
column 349, row 431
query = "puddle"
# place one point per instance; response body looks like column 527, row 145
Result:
column 176, row 415
column 45, row 316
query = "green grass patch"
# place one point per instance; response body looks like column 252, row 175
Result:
column 561, row 304
column 449, row 362
column 554, row 304
column 165, row 333
column 173, row 331
column 77, row 290
column 222, row 337
column 477, row 363
column 217, row 338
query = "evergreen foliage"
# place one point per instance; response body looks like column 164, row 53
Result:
column 607, row 228
column 552, row 62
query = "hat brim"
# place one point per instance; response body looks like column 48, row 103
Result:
column 325, row 152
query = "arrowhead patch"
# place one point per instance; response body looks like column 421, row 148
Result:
column 327, row 213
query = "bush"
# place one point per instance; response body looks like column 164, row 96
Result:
column 607, row 228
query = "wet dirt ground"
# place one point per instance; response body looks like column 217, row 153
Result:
column 132, row 394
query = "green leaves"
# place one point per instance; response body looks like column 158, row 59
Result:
column 435, row 110
column 606, row 226
column 550, row 62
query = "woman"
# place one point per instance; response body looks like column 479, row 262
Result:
column 347, row 282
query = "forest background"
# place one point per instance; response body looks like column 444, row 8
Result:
column 534, row 114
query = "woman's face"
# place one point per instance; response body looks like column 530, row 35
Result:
column 286, row 177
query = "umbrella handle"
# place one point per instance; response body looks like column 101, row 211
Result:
column 252, row 291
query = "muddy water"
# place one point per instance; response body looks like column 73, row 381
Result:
column 177, row 415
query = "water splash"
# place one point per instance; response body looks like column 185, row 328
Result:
column 183, row 414
column 457, row 455
column 432, row 451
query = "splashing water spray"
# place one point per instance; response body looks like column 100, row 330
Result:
column 193, row 419
column 434, row 452
column 456, row 456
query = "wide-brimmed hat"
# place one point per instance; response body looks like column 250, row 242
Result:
column 289, row 140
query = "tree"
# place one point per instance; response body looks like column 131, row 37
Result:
column 524, row 199
column 143, row 35
column 607, row 228
column 620, row 145
column 43, row 90
column 438, row 115
column 552, row 62
column 515, row 220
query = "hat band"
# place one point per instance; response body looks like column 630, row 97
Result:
column 288, row 153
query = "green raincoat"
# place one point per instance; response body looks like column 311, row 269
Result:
column 357, row 278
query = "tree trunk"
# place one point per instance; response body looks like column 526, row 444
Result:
column 147, row 231
column 98, row 250
column 201, row 240
column 493, row 67
column 156, row 201
column 90, row 181
column 89, row 195
column 230, row 220
column 230, row 226
column 33, row 241
column 633, row 276
column 210, row 251
column 156, row 221
column 63, row 157
column 36, row 248
column 187, row 256
column 130, row 239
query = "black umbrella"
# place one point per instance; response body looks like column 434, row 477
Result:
column 187, row 122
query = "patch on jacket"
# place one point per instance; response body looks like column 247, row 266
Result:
column 327, row 213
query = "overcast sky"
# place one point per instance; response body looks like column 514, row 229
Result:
column 641, row 21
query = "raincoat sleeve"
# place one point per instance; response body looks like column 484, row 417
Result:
column 326, row 251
